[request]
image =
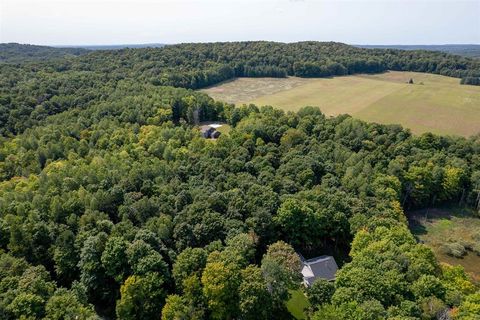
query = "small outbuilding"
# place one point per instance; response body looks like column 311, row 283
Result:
column 323, row 267
column 210, row 131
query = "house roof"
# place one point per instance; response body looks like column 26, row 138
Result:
column 323, row 267
column 210, row 126
column 206, row 128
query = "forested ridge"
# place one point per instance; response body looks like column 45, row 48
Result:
column 32, row 90
column 113, row 205
column 18, row 53
column 466, row 50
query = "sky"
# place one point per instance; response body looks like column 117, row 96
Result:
column 97, row 22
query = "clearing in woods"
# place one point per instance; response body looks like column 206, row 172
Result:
column 433, row 103
column 444, row 229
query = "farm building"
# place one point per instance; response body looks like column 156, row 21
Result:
column 210, row 131
column 323, row 267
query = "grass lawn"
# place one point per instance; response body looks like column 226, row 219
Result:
column 224, row 129
column 433, row 103
column 439, row 227
column 297, row 303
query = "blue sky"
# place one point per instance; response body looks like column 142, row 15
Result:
column 70, row 22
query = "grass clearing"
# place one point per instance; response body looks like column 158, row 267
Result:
column 437, row 228
column 433, row 103
column 297, row 304
column 224, row 129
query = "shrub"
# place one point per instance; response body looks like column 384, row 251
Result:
column 454, row 249
column 476, row 236
column 476, row 248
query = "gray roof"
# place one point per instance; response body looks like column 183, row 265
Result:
column 206, row 128
column 323, row 267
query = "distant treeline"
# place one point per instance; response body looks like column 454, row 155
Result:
column 112, row 206
column 31, row 90
column 202, row 64
column 115, row 46
column 17, row 53
column 471, row 80
column 466, row 50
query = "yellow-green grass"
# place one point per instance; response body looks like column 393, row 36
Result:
column 224, row 129
column 297, row 304
column 437, row 227
column 433, row 103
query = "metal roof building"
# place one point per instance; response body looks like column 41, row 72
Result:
column 323, row 267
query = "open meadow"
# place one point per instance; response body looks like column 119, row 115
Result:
column 452, row 233
column 433, row 103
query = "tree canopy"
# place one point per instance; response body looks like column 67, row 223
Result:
column 113, row 205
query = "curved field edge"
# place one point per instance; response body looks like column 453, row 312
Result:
column 434, row 103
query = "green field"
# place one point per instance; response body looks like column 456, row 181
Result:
column 297, row 304
column 439, row 227
column 433, row 103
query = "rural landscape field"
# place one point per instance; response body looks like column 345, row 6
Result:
column 433, row 103
column 239, row 160
column 452, row 233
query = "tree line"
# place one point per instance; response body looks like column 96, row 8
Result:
column 113, row 205
column 32, row 90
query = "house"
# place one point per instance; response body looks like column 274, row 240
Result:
column 215, row 134
column 323, row 267
column 210, row 131
column 207, row 131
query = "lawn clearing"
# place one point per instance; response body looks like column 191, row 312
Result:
column 221, row 127
column 224, row 129
column 297, row 304
column 438, row 228
column 433, row 103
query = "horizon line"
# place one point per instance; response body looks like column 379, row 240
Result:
column 164, row 43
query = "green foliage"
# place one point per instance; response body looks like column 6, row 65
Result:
column 108, row 190
column 114, row 258
column 240, row 249
column 175, row 309
column 141, row 297
column 281, row 268
column 454, row 249
column 320, row 292
column 28, row 292
column 65, row 304
column 15, row 53
column 474, row 81
column 297, row 222
column 188, row 262
column 59, row 84
column 470, row 308
column 456, row 281
column 220, row 283
column 428, row 286
column 255, row 300
column 402, row 269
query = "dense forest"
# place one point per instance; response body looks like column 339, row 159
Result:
column 16, row 53
column 112, row 204
column 32, row 90
column 466, row 50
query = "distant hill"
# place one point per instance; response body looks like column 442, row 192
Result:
column 193, row 66
column 466, row 50
column 116, row 46
column 16, row 52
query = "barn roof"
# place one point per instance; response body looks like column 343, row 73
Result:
column 323, row 267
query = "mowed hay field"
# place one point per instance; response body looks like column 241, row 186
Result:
column 433, row 103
